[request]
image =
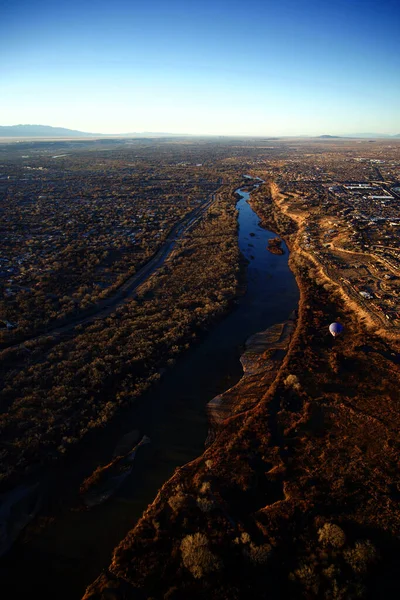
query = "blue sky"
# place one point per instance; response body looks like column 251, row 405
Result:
column 286, row 67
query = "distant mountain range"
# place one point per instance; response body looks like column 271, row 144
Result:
column 40, row 131
column 46, row 131
column 360, row 135
column 371, row 135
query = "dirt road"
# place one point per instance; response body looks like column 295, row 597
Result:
column 126, row 291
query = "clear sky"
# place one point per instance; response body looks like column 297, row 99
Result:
column 281, row 67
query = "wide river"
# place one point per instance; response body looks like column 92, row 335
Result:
column 71, row 551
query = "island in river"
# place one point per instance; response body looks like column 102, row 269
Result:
column 275, row 246
column 297, row 494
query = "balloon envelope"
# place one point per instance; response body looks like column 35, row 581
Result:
column 335, row 329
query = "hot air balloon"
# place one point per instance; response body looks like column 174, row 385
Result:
column 335, row 328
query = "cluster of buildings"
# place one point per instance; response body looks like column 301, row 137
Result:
column 352, row 205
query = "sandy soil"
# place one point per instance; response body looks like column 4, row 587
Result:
column 369, row 319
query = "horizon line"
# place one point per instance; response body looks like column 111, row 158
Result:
column 185, row 134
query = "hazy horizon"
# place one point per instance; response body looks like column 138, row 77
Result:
column 189, row 134
column 219, row 68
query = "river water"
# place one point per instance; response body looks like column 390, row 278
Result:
column 71, row 551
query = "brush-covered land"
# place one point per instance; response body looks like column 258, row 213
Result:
column 297, row 496
column 75, row 226
column 55, row 392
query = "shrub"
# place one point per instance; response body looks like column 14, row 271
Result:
column 259, row 555
column 205, row 504
column 292, row 381
column 205, row 487
column 331, row 535
column 177, row 502
column 197, row 557
column 308, row 577
column 360, row 557
column 245, row 537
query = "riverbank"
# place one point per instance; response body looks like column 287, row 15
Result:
column 297, row 495
column 261, row 360
column 172, row 415
column 57, row 391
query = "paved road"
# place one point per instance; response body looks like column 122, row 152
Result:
column 126, row 290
